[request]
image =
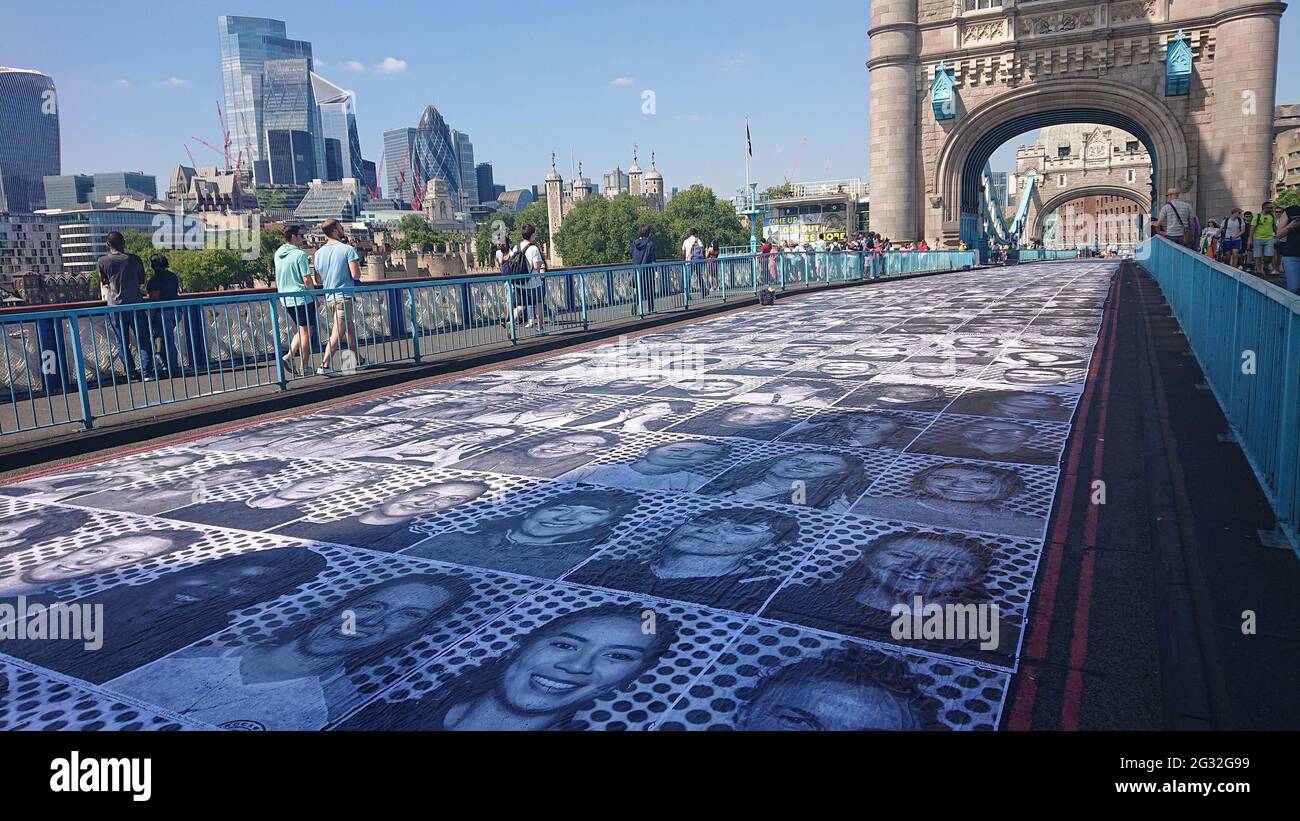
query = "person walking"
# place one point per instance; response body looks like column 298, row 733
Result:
column 339, row 269
column 711, row 268
column 693, row 253
column 120, row 276
column 1262, row 229
column 534, row 289
column 1288, row 240
column 164, row 286
column 1230, row 238
column 643, row 257
column 1176, row 219
column 292, row 276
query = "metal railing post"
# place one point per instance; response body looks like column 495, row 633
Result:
column 640, row 305
column 415, row 326
column 686, row 286
column 510, row 313
column 780, row 270
column 79, row 362
column 582, row 296
column 280, row 375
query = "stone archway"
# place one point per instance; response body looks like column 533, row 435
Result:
column 954, row 180
column 1016, row 63
column 1055, row 202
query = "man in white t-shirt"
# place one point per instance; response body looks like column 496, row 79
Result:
column 691, row 243
column 1234, row 230
column 533, row 293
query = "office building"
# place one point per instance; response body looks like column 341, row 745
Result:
column 338, row 118
column 483, row 179
column 84, row 229
column 330, row 199
column 294, row 149
column 616, row 182
column 29, row 244
column 70, row 190
column 434, row 153
column 29, row 138
column 398, row 145
column 210, row 189
column 469, row 194
column 246, row 44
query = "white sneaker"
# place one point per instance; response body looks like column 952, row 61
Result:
column 322, row 372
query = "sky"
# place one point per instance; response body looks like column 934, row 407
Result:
column 138, row 81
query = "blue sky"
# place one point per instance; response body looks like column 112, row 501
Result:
column 137, row 81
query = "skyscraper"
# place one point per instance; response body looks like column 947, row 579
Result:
column 246, row 44
column 434, row 153
column 338, row 116
column 399, row 144
column 487, row 190
column 29, row 138
column 468, row 176
column 294, row 149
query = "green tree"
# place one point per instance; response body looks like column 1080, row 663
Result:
column 536, row 213
column 781, row 191
column 485, row 238
column 599, row 231
column 697, row 208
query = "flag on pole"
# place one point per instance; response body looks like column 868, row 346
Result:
column 749, row 142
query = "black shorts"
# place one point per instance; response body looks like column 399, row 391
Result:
column 301, row 314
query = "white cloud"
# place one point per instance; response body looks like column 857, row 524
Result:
column 124, row 84
column 318, row 62
column 177, row 82
column 621, row 82
column 391, row 65
column 356, row 66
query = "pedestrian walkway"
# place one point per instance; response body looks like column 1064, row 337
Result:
column 706, row 527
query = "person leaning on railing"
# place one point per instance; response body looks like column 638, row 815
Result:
column 292, row 276
column 164, row 286
column 643, row 256
column 1288, row 237
column 121, row 275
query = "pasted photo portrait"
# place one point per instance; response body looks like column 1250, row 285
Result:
column 856, row 599
column 543, row 455
column 994, row 440
column 992, row 498
column 546, row 412
column 411, row 405
column 640, row 415
column 829, row 480
column 69, row 484
column 218, row 479
column 275, row 438
column 851, row 688
column 706, row 387
column 551, row 672
column 388, row 525
column 684, row 466
column 811, row 393
column 26, row 525
column 355, row 438
column 302, row 676
column 144, row 622
column 1014, row 404
column 545, row 538
column 882, row 430
column 88, row 551
column 274, row 504
column 447, row 446
column 730, row 558
column 746, row 421
column 910, row 396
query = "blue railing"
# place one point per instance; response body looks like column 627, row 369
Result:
column 1245, row 334
column 77, row 365
column 1041, row 254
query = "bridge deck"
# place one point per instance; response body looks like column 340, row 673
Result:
column 705, row 527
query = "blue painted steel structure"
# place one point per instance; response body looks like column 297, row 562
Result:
column 1245, row 333
column 76, row 365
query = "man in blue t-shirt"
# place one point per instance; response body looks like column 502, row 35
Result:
column 339, row 270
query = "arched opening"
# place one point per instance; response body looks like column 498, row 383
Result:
column 1106, row 216
column 959, row 170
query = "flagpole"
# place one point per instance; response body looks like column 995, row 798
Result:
column 751, row 202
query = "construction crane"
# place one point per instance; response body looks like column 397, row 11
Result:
column 225, row 135
column 794, row 166
column 379, row 175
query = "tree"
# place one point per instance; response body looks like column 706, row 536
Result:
column 697, row 208
column 485, row 239
column 536, row 213
column 781, row 191
column 599, row 231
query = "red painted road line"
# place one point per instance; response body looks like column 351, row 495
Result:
column 1072, row 702
column 354, row 398
column 1040, row 625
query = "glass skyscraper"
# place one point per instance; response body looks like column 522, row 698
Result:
column 338, row 116
column 246, row 44
column 434, row 153
column 294, row 148
column 468, row 176
column 399, row 145
column 29, row 138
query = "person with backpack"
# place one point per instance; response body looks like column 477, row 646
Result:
column 525, row 259
column 1177, row 220
column 710, row 280
column 642, row 255
column 164, row 286
column 693, row 253
column 1230, row 238
column 120, row 277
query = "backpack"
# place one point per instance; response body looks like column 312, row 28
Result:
column 697, row 251
column 517, row 264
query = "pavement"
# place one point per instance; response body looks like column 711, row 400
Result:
column 706, row 526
